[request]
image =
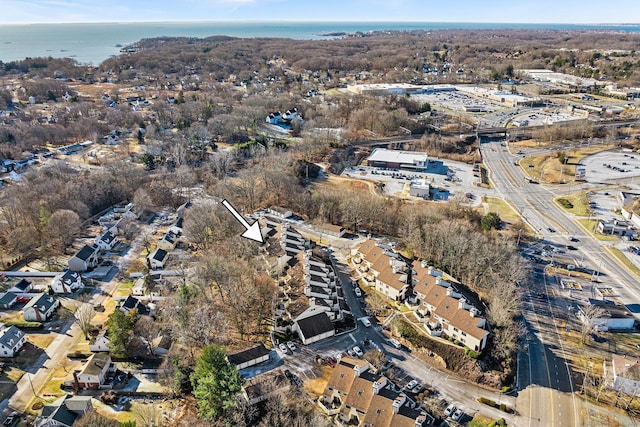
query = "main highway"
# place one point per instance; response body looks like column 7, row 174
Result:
column 547, row 391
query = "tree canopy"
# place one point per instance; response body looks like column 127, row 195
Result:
column 215, row 382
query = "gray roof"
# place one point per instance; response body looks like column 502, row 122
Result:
column 132, row 302
column 10, row 336
column 64, row 411
column 108, row 237
column 23, row 285
column 248, row 355
column 43, row 301
column 160, row 255
column 70, row 276
column 86, row 252
column 315, row 325
column 96, row 363
column 8, row 298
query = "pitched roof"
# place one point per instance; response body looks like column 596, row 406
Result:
column 86, row 252
column 380, row 411
column 108, row 237
column 70, row 276
column 43, row 301
column 96, row 363
column 160, row 255
column 23, row 285
column 460, row 318
column 10, row 336
column 395, row 280
column 64, row 411
column 626, row 367
column 361, row 392
column 315, row 325
column 134, row 303
column 8, row 298
column 247, row 355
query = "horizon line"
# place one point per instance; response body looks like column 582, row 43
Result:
column 266, row 21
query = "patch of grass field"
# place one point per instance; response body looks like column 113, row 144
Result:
column 109, row 305
column 53, row 388
column 506, row 212
column 552, row 171
column 624, row 260
column 480, row 421
column 579, row 203
column 316, row 386
column 40, row 340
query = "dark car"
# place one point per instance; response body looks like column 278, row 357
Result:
column 551, row 230
column 574, row 239
column 571, row 248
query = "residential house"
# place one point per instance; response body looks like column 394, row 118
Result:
column 314, row 328
column 94, row 373
column 613, row 317
column 138, row 287
column 106, row 241
column 157, row 259
column 8, row 300
column 64, row 411
column 249, row 357
column 40, row 308
column 444, row 310
column 22, row 287
column 624, row 372
column 84, row 259
column 259, row 388
column 358, row 397
column 279, row 212
column 332, row 230
column 381, row 266
column 11, row 341
column 132, row 303
column 176, row 228
column 100, row 342
column 67, row 282
column 168, row 241
column 274, row 118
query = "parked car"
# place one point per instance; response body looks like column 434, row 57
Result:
column 351, row 353
column 457, row 415
column 358, row 351
column 366, row 322
column 450, row 410
column 358, row 292
column 283, row 348
column 291, row 346
column 411, row 384
column 394, row 342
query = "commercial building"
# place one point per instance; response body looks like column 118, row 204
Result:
column 394, row 159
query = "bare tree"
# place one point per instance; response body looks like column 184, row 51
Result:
column 83, row 316
column 588, row 316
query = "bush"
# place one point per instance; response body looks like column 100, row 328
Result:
column 487, row 402
column 78, row 355
column 23, row 324
column 472, row 354
column 506, row 389
column 565, row 203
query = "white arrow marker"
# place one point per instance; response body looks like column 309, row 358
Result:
column 253, row 230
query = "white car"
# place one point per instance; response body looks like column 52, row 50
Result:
column 358, row 292
column 357, row 351
column 366, row 322
column 291, row 346
column 283, row 348
column 394, row 342
column 412, row 384
column 450, row 410
column 457, row 415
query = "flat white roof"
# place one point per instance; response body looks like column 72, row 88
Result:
column 395, row 156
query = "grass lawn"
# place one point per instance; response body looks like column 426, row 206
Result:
column 622, row 258
column 506, row 212
column 41, row 340
column 550, row 167
column 53, row 388
column 316, row 386
column 580, row 203
column 109, row 305
column 123, row 290
column 480, row 421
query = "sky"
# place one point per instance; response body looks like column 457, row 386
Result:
column 493, row 11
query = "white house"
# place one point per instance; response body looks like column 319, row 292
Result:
column 94, row 373
column 8, row 300
column 314, row 328
column 84, row 259
column 40, row 308
column 64, row 411
column 613, row 317
column 67, row 282
column 157, row 258
column 11, row 341
column 106, row 241
column 168, row 241
column 22, row 287
column 100, row 342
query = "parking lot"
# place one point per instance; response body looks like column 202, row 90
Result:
column 607, row 165
column 458, row 101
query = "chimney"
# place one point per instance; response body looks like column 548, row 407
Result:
column 424, row 264
column 438, row 280
column 379, row 385
column 461, row 304
column 472, row 312
column 398, row 402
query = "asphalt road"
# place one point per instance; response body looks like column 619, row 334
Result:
column 547, row 391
